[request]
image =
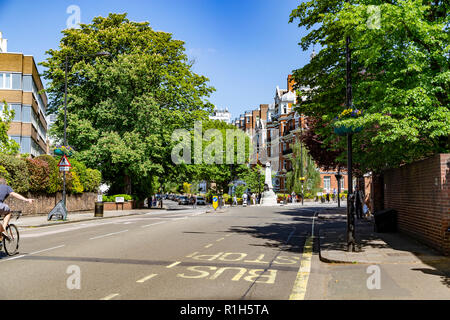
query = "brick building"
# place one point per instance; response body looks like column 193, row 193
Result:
column 275, row 129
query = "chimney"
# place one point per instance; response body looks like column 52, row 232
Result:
column 290, row 83
column 3, row 44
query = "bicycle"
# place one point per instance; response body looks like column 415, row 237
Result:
column 11, row 246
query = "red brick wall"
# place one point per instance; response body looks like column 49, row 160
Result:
column 420, row 192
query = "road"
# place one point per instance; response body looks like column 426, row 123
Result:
column 252, row 253
column 242, row 253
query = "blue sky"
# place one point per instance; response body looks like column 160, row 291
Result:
column 246, row 48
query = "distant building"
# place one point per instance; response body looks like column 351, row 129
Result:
column 20, row 88
column 222, row 115
column 274, row 129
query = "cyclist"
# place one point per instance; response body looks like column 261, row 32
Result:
column 5, row 191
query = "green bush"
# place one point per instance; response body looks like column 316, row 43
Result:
column 18, row 172
column 4, row 174
column 113, row 197
column 55, row 183
column 39, row 175
column 93, row 180
column 74, row 184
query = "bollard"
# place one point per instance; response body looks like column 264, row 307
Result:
column 99, row 210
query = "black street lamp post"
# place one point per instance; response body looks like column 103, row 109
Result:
column 351, row 243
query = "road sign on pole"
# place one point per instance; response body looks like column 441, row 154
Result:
column 64, row 164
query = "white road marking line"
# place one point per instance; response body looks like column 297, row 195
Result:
column 208, row 246
column 107, row 235
column 192, row 254
column 147, row 278
column 153, row 224
column 111, row 296
column 220, row 239
column 47, row 249
column 14, row 258
column 173, row 264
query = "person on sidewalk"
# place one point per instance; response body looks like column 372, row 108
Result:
column 359, row 203
column 294, row 197
column 244, row 199
column 253, row 199
column 235, row 202
column 194, row 201
column 6, row 191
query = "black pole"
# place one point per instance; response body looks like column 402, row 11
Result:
column 65, row 126
column 339, row 187
column 350, row 216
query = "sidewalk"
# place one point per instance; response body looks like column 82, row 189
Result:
column 372, row 248
column 72, row 217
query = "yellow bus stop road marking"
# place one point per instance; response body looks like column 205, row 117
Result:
column 301, row 282
column 147, row 278
column 173, row 264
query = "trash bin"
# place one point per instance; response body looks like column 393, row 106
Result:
column 385, row 221
column 98, row 209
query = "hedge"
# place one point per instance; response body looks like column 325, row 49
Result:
column 113, row 197
column 41, row 174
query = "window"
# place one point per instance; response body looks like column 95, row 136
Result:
column 5, row 81
column 17, row 112
column 25, row 145
column 342, row 183
column 327, row 183
column 17, row 81
column 26, row 114
column 27, row 83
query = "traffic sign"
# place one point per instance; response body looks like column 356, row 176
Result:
column 215, row 203
column 64, row 162
column 64, row 169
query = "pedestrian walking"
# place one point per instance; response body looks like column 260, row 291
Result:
column 328, row 196
column 334, row 194
column 294, row 197
column 359, row 202
column 253, row 199
column 194, row 201
column 235, row 202
column 244, row 199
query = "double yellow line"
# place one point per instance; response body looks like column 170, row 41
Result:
column 301, row 282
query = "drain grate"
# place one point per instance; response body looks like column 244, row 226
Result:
column 395, row 254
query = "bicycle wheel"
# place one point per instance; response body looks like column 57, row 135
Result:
column 11, row 246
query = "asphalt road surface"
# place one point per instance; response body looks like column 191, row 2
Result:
column 252, row 253
column 242, row 253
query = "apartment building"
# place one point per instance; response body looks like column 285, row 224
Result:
column 21, row 88
column 275, row 129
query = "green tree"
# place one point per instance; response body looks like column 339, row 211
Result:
column 255, row 178
column 7, row 145
column 309, row 171
column 123, row 109
column 401, row 77
column 219, row 173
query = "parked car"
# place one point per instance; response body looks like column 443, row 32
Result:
column 201, row 201
column 183, row 200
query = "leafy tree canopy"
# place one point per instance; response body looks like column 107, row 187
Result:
column 401, row 77
column 123, row 109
